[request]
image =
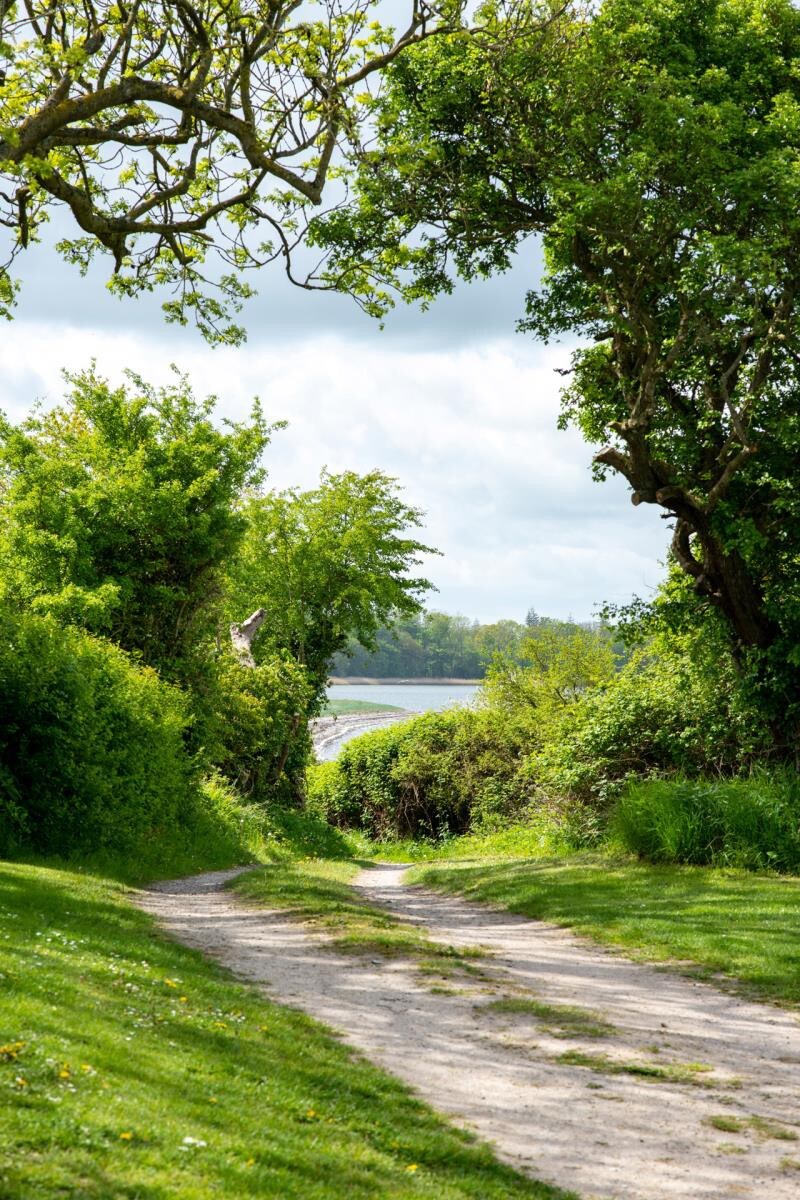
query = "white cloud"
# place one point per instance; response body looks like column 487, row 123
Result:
column 470, row 430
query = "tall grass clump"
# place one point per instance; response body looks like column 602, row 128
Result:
column 753, row 823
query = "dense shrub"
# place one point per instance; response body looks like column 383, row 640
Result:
column 254, row 725
column 120, row 511
column 752, row 823
column 440, row 773
column 673, row 708
column 91, row 746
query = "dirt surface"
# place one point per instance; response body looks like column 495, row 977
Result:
column 624, row 1136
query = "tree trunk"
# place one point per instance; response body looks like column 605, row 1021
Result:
column 723, row 577
column 242, row 637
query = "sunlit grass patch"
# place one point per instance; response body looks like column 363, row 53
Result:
column 763, row 1127
column 317, row 891
column 667, row 1072
column 729, row 923
column 134, row 1068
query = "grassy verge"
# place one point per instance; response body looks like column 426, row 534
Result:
column 730, row 923
column 132, row 1068
column 250, row 834
column 340, row 708
column 530, row 840
column 317, row 891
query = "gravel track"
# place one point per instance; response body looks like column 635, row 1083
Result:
column 606, row 1135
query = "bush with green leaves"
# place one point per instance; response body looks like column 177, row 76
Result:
column 678, row 705
column 254, row 724
column 752, row 823
column 437, row 774
column 120, row 510
column 92, row 749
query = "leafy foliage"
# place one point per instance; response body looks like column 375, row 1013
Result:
column 255, row 725
column 175, row 134
column 433, row 643
column 327, row 565
column 439, row 774
column 655, row 148
column 676, row 706
column 118, row 514
column 556, row 664
column 91, row 746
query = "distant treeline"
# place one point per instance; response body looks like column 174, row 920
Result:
column 441, row 645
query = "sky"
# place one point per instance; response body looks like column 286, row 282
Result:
column 453, row 402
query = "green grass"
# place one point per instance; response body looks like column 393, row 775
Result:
column 251, row 834
column 529, row 840
column 565, row 1020
column 340, row 708
column 317, row 891
column 133, row 1069
column 660, row 1072
column 728, row 923
column 762, row 1127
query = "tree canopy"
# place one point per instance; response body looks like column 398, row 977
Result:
column 176, row 133
column 327, row 565
column 655, row 147
column 118, row 513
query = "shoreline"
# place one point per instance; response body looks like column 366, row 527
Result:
column 412, row 681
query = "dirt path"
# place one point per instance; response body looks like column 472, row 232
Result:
column 601, row 1134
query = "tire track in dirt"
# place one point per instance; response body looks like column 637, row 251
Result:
column 621, row 1136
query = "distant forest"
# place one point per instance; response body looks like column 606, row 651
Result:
column 435, row 645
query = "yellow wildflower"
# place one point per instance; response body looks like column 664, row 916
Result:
column 411, row 1167
column 127, row 1136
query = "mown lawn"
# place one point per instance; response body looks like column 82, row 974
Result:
column 133, row 1069
column 733, row 923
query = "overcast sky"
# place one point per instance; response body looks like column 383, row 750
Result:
column 453, row 402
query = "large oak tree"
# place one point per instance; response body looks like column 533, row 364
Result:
column 655, row 146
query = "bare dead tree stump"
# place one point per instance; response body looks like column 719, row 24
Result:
column 242, row 637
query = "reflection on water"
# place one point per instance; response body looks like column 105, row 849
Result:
column 416, row 697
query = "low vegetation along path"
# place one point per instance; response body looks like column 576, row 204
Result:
column 582, row 1068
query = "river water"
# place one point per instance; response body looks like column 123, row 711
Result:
column 414, row 697
column 330, row 733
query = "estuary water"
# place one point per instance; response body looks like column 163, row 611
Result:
column 413, row 697
column 330, row 733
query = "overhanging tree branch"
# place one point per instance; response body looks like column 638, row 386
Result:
column 155, row 122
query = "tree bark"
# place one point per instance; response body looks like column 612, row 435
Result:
column 242, row 637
